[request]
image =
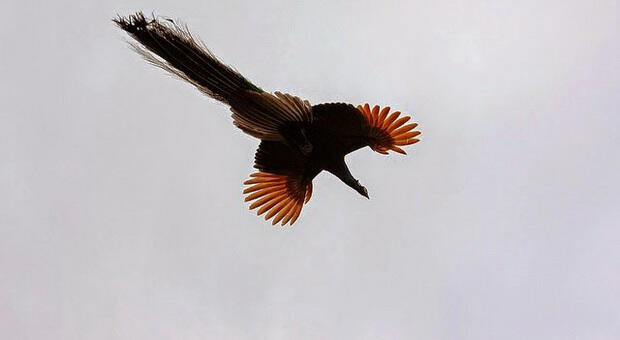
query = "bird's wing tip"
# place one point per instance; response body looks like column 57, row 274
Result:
column 388, row 130
column 279, row 196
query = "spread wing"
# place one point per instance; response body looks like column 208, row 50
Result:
column 262, row 114
column 281, row 186
column 281, row 196
column 387, row 131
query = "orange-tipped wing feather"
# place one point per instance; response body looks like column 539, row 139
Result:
column 280, row 196
column 388, row 131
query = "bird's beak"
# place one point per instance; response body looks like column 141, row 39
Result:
column 364, row 192
column 361, row 189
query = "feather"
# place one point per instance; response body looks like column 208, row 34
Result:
column 387, row 131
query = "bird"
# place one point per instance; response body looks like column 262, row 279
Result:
column 298, row 140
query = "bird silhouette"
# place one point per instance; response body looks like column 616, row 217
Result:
column 298, row 140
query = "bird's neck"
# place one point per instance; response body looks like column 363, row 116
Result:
column 341, row 170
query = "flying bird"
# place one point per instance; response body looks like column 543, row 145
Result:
column 297, row 140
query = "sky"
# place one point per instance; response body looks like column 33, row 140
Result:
column 121, row 212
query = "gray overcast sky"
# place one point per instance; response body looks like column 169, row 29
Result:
column 121, row 213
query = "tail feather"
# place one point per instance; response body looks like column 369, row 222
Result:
column 173, row 48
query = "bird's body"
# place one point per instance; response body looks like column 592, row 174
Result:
column 298, row 140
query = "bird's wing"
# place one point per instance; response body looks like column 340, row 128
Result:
column 281, row 196
column 387, row 131
column 280, row 187
column 262, row 114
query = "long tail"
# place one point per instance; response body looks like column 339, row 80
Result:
column 172, row 48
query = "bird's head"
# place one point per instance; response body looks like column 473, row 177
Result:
column 341, row 170
column 361, row 189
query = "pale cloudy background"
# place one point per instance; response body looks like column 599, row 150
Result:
column 121, row 214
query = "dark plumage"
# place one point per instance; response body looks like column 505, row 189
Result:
column 298, row 140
